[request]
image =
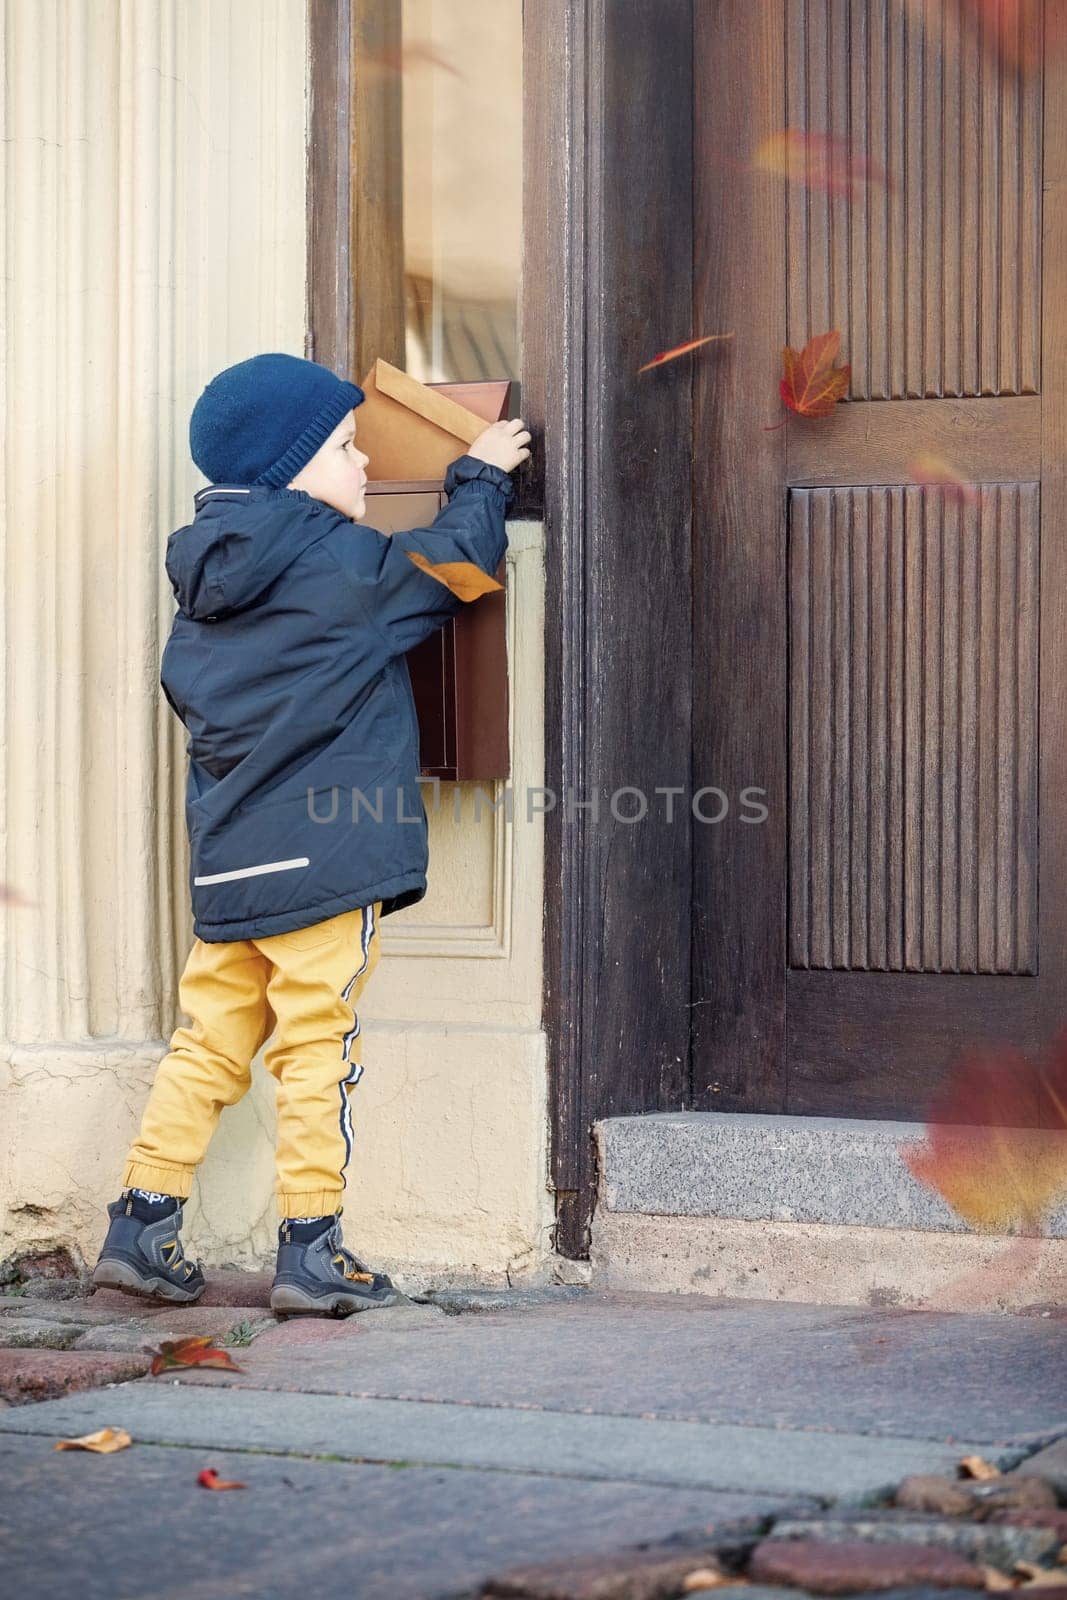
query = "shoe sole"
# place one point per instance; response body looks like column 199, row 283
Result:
column 118, row 1275
column 289, row 1301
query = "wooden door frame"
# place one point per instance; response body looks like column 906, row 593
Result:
column 606, row 283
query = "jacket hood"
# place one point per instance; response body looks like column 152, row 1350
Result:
column 240, row 541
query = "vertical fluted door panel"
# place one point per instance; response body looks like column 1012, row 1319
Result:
column 913, row 737
column 931, row 269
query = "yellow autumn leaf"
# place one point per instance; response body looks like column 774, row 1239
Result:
column 104, row 1441
column 977, row 1467
column 462, row 577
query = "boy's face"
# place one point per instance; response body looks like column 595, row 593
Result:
column 337, row 471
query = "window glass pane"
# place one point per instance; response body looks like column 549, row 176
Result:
column 460, row 85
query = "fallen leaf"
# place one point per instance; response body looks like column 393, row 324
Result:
column 682, row 349
column 996, row 1137
column 195, row 1351
column 932, row 471
column 705, row 1578
column 994, row 1581
column 462, row 577
column 103, row 1441
column 209, row 1479
column 1040, row 1576
column 812, row 385
column 818, row 161
column 977, row 1467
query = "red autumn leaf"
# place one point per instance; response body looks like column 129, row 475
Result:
column 819, row 161
column 192, row 1352
column 996, row 1137
column 462, row 577
column 209, row 1479
column 812, row 385
column 682, row 349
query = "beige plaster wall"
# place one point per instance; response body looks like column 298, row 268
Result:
column 154, row 174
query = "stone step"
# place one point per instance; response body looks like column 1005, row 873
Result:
column 754, row 1167
column 822, row 1210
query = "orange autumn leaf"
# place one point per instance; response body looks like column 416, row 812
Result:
column 932, row 471
column 462, row 577
column 812, row 385
column 209, row 1479
column 104, row 1441
column 996, row 1137
column 819, row 161
column 191, row 1352
column 682, row 349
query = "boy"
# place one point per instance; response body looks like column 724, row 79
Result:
column 285, row 663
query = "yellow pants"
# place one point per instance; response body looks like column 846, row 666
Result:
column 305, row 984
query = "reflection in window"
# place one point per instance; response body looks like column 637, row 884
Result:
column 441, row 80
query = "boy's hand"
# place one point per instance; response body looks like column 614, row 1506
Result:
column 502, row 444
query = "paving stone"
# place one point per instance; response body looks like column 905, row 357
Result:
column 458, row 1301
column 85, row 1313
column 1046, row 1518
column 185, row 1322
column 1011, row 1492
column 56, row 1289
column 1050, row 1464
column 228, row 1287
column 18, row 1333
column 612, row 1575
column 827, row 1567
column 926, row 1491
column 998, row 1544
column 296, row 1332
column 47, row 1374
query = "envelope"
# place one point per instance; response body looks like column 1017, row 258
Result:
column 413, row 430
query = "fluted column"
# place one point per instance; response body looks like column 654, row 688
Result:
column 154, row 203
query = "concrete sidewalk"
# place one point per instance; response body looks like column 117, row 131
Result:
column 414, row 1452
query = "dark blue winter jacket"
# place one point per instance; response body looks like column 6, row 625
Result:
column 286, row 664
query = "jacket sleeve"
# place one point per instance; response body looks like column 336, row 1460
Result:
column 405, row 604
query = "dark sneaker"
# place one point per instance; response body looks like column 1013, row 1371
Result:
column 322, row 1277
column 145, row 1258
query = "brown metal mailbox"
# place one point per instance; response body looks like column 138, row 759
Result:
column 459, row 675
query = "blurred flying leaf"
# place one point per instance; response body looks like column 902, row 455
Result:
column 818, row 161
column 14, row 897
column 682, row 349
column 401, row 58
column 932, row 471
column 462, row 577
column 1008, row 32
column 996, row 1137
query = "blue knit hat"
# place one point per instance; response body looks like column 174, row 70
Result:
column 263, row 419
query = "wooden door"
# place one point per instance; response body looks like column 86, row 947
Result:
column 884, row 659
